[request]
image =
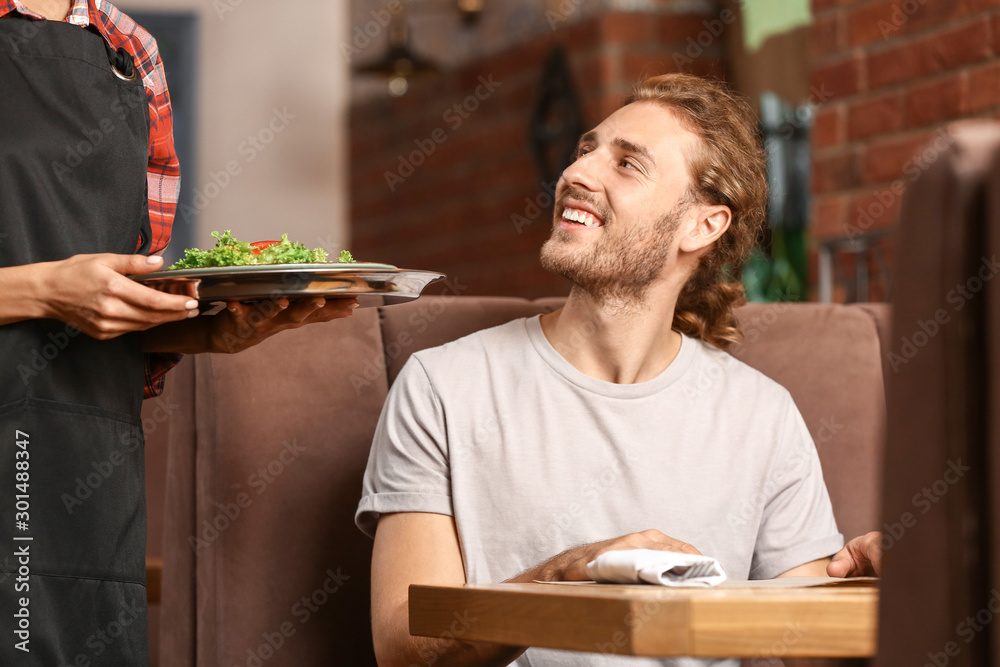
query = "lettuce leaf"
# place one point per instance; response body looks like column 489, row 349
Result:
column 230, row 252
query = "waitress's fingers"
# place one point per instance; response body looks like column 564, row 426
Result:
column 145, row 303
column 113, row 318
column 140, row 296
column 96, row 283
column 124, row 306
column 131, row 264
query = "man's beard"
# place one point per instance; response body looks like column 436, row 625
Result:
column 620, row 268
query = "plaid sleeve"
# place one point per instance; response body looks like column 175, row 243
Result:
column 157, row 365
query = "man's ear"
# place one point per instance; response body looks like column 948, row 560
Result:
column 709, row 223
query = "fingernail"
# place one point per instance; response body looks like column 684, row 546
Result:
column 191, row 304
column 154, row 259
column 352, row 305
column 192, row 313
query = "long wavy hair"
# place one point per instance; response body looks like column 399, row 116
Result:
column 727, row 168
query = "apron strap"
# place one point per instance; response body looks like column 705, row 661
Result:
column 121, row 60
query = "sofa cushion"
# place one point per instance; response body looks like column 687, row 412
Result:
column 435, row 320
column 829, row 358
column 281, row 439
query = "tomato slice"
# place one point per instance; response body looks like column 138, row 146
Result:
column 257, row 246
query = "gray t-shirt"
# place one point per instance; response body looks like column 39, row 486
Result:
column 532, row 457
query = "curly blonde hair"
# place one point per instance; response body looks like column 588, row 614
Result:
column 728, row 168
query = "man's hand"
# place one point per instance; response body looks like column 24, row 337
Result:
column 572, row 565
column 92, row 293
column 242, row 325
column 861, row 557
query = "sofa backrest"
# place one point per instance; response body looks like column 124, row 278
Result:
column 266, row 450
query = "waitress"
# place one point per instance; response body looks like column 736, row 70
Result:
column 88, row 189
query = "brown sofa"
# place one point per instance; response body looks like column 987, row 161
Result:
column 255, row 464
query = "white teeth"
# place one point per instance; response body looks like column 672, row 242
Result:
column 583, row 217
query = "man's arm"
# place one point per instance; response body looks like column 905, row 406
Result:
column 419, row 548
column 816, row 568
column 422, row 548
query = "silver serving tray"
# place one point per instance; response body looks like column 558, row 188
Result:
column 370, row 284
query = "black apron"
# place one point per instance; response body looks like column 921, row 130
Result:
column 74, row 144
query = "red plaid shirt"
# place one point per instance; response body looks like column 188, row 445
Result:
column 163, row 174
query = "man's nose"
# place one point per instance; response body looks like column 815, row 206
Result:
column 583, row 173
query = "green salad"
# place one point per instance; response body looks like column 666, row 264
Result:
column 230, row 252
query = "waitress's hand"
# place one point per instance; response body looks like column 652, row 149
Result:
column 240, row 325
column 92, row 293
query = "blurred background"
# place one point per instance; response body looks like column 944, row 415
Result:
column 429, row 133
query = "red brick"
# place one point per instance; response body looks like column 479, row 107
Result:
column 886, row 160
column 834, row 172
column 707, row 67
column 888, row 21
column 828, row 127
column 893, row 65
column 931, row 13
column 884, row 114
column 826, row 36
column 599, row 108
column 935, row 53
column 819, row 6
column 984, row 88
column 675, row 30
column 870, row 23
column 592, row 72
column 980, row 5
column 626, row 28
column 841, row 78
column 829, row 215
column 961, row 46
column 524, row 58
column 874, row 210
column 636, row 66
column 938, row 101
column 823, row 5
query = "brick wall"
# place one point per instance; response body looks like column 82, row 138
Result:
column 896, row 72
column 442, row 178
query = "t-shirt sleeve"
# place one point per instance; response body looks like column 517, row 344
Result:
column 408, row 468
column 797, row 525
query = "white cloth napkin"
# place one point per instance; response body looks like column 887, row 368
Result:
column 665, row 568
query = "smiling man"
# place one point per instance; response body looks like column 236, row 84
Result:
column 523, row 452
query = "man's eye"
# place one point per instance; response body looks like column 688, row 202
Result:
column 581, row 151
column 628, row 163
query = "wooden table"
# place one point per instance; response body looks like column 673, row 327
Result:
column 829, row 621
